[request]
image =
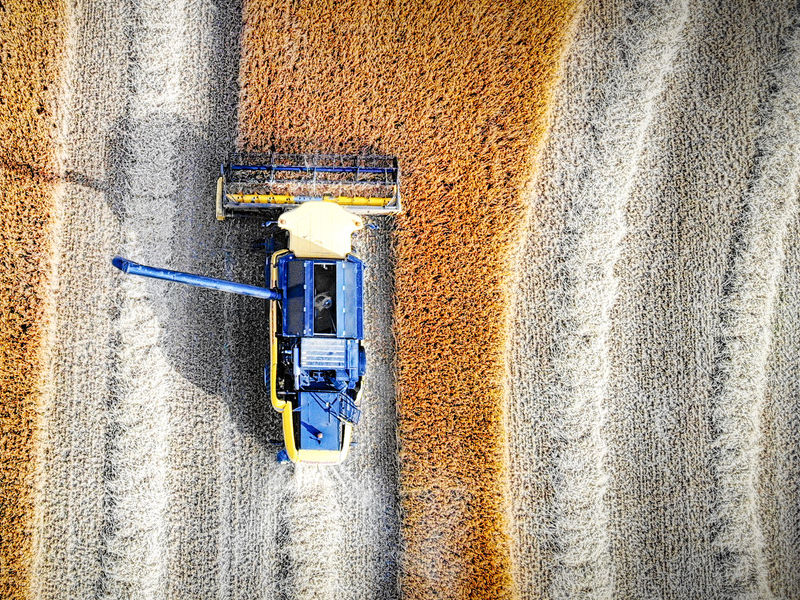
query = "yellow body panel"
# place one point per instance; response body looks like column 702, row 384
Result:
column 277, row 403
column 324, row 457
column 220, row 210
column 288, row 435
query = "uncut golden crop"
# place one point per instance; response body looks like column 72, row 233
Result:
column 31, row 44
column 459, row 93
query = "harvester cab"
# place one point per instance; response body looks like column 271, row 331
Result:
column 315, row 286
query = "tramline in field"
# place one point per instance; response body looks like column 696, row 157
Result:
column 315, row 284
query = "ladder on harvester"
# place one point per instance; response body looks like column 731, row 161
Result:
column 343, row 409
column 347, row 410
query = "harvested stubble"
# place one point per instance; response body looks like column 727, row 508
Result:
column 459, row 93
column 653, row 359
column 31, row 40
column 152, row 475
column 156, row 475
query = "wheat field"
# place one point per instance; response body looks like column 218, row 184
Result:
column 582, row 332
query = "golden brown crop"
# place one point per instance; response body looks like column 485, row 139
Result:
column 459, row 92
column 31, row 43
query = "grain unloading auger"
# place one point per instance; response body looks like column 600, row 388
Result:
column 315, row 285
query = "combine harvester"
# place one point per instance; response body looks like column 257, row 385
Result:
column 315, row 288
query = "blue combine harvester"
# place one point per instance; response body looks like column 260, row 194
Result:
column 315, row 286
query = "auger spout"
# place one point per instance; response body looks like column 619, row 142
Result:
column 132, row 268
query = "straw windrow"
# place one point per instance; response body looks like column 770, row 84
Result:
column 659, row 226
column 561, row 319
column 139, row 424
column 566, row 289
column 778, row 469
column 749, row 316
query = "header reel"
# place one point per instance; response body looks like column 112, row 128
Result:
column 252, row 184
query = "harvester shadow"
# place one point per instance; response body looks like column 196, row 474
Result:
column 218, row 342
column 215, row 341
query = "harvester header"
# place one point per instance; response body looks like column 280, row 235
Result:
column 252, row 184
